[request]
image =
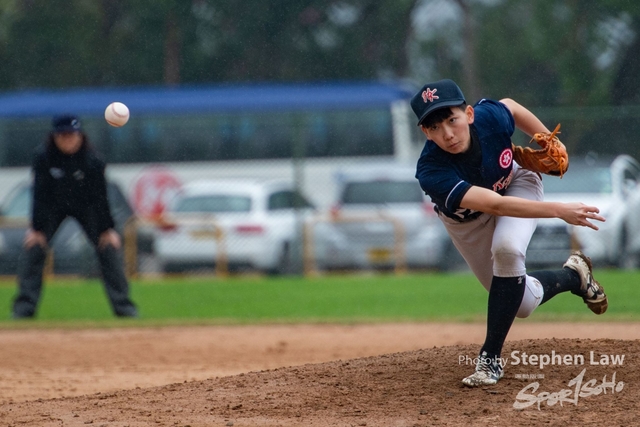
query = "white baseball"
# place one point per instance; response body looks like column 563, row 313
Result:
column 116, row 114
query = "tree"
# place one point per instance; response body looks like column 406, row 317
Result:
column 61, row 43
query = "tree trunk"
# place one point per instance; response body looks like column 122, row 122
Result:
column 469, row 65
column 172, row 48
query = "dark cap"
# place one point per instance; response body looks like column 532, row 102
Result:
column 66, row 123
column 436, row 95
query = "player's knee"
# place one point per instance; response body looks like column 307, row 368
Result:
column 505, row 253
column 533, row 293
column 525, row 310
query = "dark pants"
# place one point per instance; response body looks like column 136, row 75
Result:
column 31, row 265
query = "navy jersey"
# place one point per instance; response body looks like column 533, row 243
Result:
column 447, row 177
column 69, row 185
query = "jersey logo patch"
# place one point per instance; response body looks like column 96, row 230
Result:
column 506, row 157
column 429, row 95
column 57, row 173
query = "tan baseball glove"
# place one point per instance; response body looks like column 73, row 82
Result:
column 551, row 159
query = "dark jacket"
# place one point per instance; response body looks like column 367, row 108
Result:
column 69, row 186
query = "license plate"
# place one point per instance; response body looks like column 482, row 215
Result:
column 203, row 234
column 379, row 255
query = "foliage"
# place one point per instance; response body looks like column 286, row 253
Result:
column 62, row 43
column 545, row 54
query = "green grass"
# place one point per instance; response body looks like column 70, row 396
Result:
column 344, row 299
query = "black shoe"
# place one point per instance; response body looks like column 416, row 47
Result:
column 22, row 316
column 130, row 312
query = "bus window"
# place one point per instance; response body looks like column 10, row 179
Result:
column 211, row 124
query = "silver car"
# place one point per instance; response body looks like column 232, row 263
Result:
column 612, row 186
column 247, row 224
column 382, row 220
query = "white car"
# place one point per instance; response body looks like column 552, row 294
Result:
column 250, row 224
column 382, row 219
column 613, row 187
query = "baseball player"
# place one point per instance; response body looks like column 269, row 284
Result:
column 69, row 180
column 489, row 205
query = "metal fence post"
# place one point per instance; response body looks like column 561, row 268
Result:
column 131, row 247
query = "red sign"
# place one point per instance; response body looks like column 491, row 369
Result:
column 153, row 191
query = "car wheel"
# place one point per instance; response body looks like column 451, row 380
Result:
column 284, row 264
column 176, row 268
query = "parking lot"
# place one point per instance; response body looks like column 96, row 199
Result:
column 364, row 216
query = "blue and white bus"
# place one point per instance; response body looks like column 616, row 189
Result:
column 250, row 130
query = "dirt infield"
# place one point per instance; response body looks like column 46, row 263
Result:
column 317, row 375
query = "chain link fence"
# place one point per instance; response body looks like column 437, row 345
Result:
column 286, row 237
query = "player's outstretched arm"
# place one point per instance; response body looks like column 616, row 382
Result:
column 487, row 201
column 524, row 119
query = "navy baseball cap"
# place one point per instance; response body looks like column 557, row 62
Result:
column 436, row 95
column 66, row 123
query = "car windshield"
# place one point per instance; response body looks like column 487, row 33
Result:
column 581, row 180
column 221, row 203
column 381, row 192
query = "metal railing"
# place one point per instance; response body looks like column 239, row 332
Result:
column 208, row 226
column 390, row 252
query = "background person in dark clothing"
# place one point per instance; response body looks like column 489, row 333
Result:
column 69, row 180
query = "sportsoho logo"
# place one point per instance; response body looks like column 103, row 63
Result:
column 578, row 387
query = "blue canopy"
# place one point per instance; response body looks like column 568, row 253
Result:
column 201, row 99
